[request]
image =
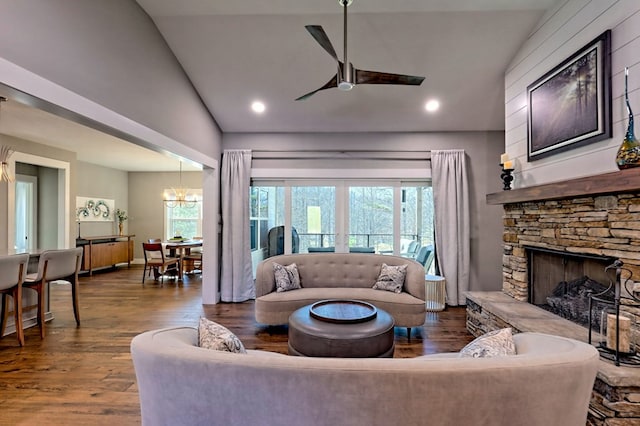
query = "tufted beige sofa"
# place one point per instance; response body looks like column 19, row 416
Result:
column 339, row 276
column 548, row 383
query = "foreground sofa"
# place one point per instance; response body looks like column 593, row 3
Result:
column 548, row 383
column 340, row 276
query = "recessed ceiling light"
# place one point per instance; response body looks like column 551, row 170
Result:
column 258, row 107
column 432, row 105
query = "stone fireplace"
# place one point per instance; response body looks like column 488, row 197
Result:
column 561, row 240
column 566, row 234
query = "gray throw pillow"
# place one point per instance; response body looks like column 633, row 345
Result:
column 287, row 277
column 391, row 278
column 212, row 335
column 494, row 343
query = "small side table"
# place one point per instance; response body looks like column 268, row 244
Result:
column 434, row 293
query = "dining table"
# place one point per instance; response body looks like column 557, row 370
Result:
column 180, row 248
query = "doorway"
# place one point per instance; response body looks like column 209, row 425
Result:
column 26, row 213
column 51, row 222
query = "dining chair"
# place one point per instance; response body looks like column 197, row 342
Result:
column 155, row 259
column 158, row 240
column 56, row 265
column 12, row 271
column 193, row 259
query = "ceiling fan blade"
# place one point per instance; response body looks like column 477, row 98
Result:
column 321, row 37
column 330, row 84
column 375, row 77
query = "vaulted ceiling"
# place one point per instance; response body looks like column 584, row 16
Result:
column 236, row 52
column 239, row 51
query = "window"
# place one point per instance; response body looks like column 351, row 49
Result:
column 184, row 220
column 266, row 213
column 385, row 217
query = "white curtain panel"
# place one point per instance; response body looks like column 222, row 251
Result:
column 451, row 202
column 236, row 282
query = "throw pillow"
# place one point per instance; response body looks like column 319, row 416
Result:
column 212, row 335
column 287, row 277
column 391, row 278
column 494, row 343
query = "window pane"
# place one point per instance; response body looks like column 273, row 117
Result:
column 416, row 222
column 184, row 221
column 267, row 211
column 313, row 216
column 371, row 219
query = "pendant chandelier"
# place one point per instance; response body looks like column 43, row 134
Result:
column 180, row 196
column 5, row 153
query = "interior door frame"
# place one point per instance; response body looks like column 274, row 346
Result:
column 64, row 196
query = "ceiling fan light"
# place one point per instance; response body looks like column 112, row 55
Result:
column 345, row 86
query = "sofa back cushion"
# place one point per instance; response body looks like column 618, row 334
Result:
column 181, row 384
column 339, row 270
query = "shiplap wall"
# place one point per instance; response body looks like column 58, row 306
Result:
column 564, row 29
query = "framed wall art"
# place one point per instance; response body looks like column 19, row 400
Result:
column 570, row 106
column 94, row 209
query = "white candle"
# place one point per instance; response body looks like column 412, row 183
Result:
column 504, row 158
column 508, row 165
column 625, row 333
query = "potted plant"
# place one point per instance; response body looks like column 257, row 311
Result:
column 121, row 216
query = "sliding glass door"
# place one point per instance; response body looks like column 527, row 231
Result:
column 385, row 217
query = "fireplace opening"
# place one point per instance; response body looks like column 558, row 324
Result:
column 561, row 282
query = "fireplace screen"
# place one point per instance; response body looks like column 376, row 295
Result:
column 561, row 283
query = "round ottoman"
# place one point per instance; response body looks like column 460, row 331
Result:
column 319, row 336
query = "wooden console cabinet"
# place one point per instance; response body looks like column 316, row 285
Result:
column 105, row 251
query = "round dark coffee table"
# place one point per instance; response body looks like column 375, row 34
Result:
column 341, row 328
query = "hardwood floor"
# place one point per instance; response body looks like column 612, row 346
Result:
column 84, row 375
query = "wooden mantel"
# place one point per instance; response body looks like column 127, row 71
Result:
column 608, row 183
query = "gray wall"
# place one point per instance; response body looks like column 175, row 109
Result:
column 48, row 207
column 111, row 53
column 102, row 182
column 483, row 150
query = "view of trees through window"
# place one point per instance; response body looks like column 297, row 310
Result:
column 394, row 219
column 184, row 220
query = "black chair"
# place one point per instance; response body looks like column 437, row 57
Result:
column 275, row 241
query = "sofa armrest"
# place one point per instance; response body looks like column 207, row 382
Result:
column 265, row 278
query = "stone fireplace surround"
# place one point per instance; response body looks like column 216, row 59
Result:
column 597, row 215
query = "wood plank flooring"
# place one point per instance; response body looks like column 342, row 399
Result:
column 84, row 375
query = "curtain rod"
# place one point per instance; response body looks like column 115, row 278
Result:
column 341, row 154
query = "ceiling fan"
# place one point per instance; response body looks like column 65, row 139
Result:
column 348, row 76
